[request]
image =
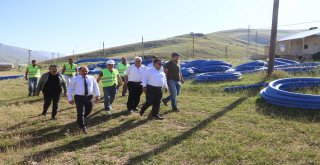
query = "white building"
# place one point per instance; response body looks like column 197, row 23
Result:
column 300, row 45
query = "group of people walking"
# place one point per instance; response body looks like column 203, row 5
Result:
column 80, row 88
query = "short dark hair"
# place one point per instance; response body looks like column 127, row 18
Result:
column 33, row 61
column 174, row 54
column 53, row 65
column 156, row 60
column 83, row 67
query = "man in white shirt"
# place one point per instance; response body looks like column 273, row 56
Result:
column 153, row 81
column 151, row 64
column 133, row 78
column 83, row 86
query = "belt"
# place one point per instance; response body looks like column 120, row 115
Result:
column 134, row 82
column 153, row 86
column 83, row 95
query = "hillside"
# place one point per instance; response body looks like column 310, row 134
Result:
column 18, row 55
column 206, row 46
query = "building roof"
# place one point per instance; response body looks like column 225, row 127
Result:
column 301, row 35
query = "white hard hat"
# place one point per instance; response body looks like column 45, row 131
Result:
column 111, row 62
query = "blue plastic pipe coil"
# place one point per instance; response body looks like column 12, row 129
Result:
column 214, row 77
column 243, row 87
column 280, row 92
column 11, row 77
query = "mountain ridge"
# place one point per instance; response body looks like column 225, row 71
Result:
column 15, row 54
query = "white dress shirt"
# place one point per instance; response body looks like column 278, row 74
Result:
column 154, row 77
column 76, row 86
column 134, row 73
column 150, row 65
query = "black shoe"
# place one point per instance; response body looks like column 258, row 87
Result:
column 141, row 113
column 29, row 94
column 135, row 109
column 164, row 102
column 158, row 117
column 84, row 130
column 53, row 118
column 175, row 110
column 130, row 111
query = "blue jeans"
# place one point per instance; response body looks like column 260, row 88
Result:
column 174, row 88
column 109, row 96
column 33, row 84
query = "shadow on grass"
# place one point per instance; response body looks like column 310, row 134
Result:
column 42, row 136
column 88, row 140
column 14, row 99
column 288, row 113
column 177, row 140
column 27, row 123
column 24, row 102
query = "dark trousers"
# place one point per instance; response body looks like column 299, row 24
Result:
column 47, row 101
column 135, row 91
column 84, row 108
column 154, row 95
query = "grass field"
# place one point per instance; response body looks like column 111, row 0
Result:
column 213, row 127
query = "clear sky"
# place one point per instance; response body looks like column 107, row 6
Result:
column 82, row 25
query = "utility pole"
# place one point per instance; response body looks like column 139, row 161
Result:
column 192, row 45
column 256, row 42
column 52, row 58
column 248, row 40
column 226, row 51
column 187, row 53
column 273, row 37
column 29, row 56
column 104, row 54
column 142, row 47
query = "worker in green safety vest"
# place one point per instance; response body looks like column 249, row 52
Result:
column 122, row 68
column 69, row 70
column 111, row 80
column 33, row 75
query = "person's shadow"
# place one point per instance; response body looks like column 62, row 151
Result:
column 40, row 136
column 90, row 140
column 178, row 140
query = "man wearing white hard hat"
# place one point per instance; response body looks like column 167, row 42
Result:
column 110, row 80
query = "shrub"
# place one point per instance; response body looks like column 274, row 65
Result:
column 316, row 56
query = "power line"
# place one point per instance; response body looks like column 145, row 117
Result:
column 300, row 23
